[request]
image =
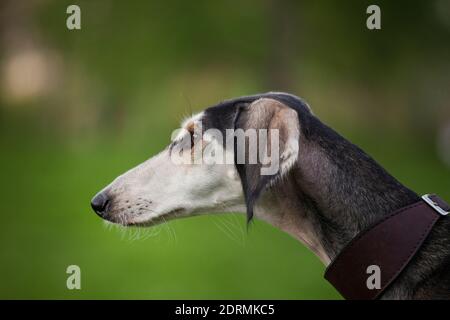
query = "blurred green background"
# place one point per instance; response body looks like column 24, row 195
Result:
column 77, row 108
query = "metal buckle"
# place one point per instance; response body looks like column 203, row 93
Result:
column 434, row 205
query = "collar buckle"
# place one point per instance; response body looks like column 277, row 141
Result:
column 428, row 198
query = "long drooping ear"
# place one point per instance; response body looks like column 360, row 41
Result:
column 277, row 132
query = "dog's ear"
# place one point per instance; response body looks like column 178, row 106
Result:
column 277, row 133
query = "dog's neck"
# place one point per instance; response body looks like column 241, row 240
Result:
column 334, row 192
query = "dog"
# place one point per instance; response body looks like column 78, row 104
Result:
column 324, row 192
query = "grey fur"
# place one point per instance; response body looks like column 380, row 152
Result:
column 336, row 191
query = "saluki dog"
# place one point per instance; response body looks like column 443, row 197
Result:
column 324, row 191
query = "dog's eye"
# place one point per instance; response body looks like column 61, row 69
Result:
column 194, row 137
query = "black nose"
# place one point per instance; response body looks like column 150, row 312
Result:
column 99, row 203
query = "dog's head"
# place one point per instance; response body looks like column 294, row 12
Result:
column 222, row 159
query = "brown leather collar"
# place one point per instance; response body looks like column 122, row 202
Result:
column 388, row 245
